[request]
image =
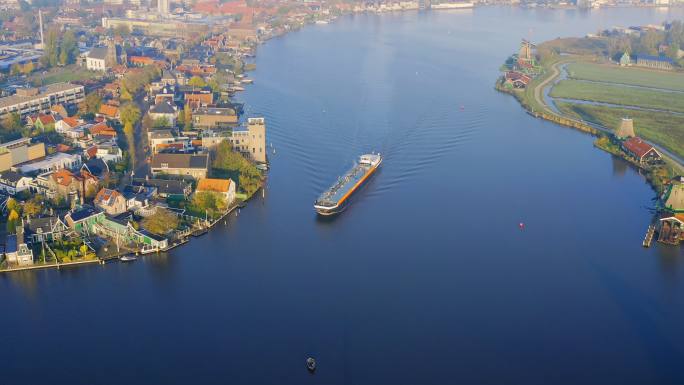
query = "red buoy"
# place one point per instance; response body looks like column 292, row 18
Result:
column 521, row 225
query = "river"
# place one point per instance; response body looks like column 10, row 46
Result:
column 426, row 278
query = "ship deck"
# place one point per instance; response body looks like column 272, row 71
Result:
column 333, row 195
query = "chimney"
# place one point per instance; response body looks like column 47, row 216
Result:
column 83, row 194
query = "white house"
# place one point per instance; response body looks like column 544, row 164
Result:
column 12, row 182
column 164, row 110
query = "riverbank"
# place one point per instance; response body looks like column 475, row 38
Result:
column 535, row 96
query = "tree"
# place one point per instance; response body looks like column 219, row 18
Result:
column 197, row 81
column 12, row 221
column 130, row 140
column 122, row 30
column 187, row 116
column 68, row 49
column 13, row 205
column 161, row 222
column 92, row 102
column 125, row 94
column 161, row 122
column 32, row 208
column 51, row 49
column 129, row 113
column 12, row 122
column 15, row 69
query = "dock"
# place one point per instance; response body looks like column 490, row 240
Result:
column 648, row 239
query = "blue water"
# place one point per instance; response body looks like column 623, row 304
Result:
column 426, row 278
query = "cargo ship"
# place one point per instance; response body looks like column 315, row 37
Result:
column 336, row 198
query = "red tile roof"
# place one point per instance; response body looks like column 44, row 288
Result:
column 637, row 147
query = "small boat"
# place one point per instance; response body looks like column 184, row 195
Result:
column 127, row 258
column 311, row 364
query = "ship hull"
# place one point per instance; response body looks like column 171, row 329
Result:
column 344, row 201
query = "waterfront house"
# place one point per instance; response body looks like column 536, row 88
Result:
column 643, row 152
column 224, row 188
column 45, row 229
column 671, row 229
column 251, row 141
column 182, row 165
column 16, row 251
column 111, row 201
column 516, row 79
column 12, row 182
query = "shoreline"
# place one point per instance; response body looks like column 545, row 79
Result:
column 594, row 129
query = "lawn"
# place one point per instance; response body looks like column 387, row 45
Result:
column 633, row 76
column 616, row 94
column 63, row 74
column 664, row 129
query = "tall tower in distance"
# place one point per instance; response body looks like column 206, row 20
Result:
column 163, row 7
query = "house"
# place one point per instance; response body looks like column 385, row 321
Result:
column 41, row 121
column 166, row 188
column 182, row 165
column 198, row 97
column 102, row 129
column 138, row 197
column 12, row 182
column 109, row 111
column 671, row 229
column 625, row 59
column 84, row 218
column 111, row 201
column 516, row 79
column 96, row 167
column 16, row 251
column 66, row 124
column 656, row 62
column 641, row 151
column 65, row 184
column 164, row 110
column 108, row 151
column 214, row 117
column 225, row 188
column 46, row 229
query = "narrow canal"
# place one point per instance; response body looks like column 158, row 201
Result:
column 426, row 278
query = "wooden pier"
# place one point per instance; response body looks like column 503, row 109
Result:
column 648, row 239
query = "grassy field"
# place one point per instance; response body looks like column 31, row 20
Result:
column 616, row 94
column 632, row 76
column 665, row 129
column 63, row 74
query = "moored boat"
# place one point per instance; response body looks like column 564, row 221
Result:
column 336, row 198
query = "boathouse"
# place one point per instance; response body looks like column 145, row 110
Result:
column 671, row 229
